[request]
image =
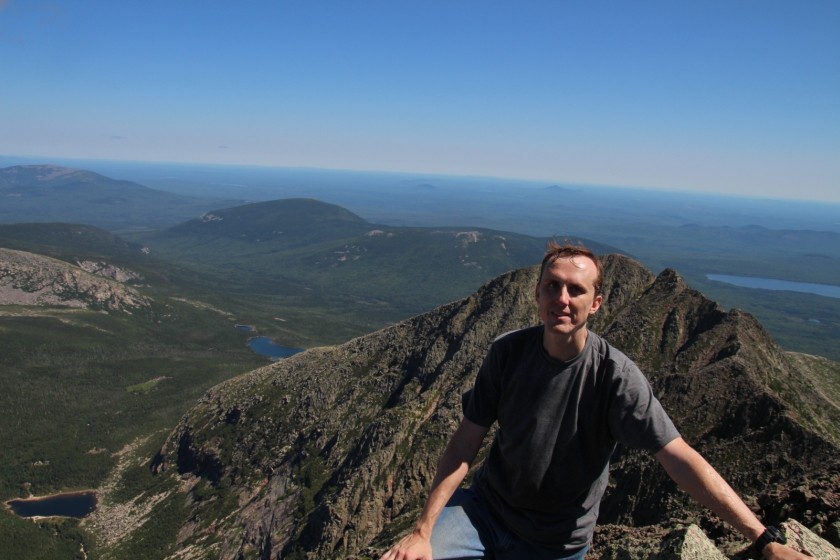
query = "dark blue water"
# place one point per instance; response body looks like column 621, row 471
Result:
column 263, row 346
column 77, row 504
column 826, row 290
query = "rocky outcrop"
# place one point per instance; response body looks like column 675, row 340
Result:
column 30, row 279
column 111, row 271
column 691, row 543
column 329, row 454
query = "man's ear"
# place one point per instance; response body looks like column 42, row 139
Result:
column 596, row 304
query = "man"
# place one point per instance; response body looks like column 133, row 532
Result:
column 563, row 398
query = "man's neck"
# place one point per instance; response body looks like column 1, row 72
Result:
column 565, row 348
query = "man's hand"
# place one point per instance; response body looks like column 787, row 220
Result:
column 776, row 551
column 695, row 476
column 454, row 465
column 413, row 546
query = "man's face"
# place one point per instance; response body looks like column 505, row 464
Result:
column 566, row 295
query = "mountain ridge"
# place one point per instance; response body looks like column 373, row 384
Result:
column 328, row 454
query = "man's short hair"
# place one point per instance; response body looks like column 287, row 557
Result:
column 557, row 250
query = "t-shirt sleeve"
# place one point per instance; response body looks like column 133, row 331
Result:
column 637, row 418
column 483, row 401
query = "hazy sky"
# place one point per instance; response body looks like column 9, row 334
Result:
column 735, row 96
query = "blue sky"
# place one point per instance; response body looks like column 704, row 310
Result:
column 738, row 96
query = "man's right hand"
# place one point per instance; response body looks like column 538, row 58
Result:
column 413, row 546
column 454, row 465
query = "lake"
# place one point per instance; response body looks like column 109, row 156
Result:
column 263, row 346
column 74, row 504
column 826, row 290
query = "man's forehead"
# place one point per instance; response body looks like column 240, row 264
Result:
column 581, row 262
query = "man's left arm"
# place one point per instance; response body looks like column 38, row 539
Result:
column 702, row 482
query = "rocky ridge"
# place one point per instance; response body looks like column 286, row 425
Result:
column 328, row 454
column 31, row 279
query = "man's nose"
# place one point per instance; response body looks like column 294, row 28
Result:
column 563, row 295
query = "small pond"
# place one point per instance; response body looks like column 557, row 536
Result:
column 74, row 504
column 263, row 346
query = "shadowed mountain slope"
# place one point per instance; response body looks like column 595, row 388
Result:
column 329, row 454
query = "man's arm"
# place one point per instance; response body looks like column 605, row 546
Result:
column 696, row 477
column 453, row 467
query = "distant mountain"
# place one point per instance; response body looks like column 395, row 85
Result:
column 559, row 189
column 323, row 253
column 49, row 193
column 291, row 222
column 329, row 454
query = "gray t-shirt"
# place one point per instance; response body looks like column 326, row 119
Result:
column 559, row 423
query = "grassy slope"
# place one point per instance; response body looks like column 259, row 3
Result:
column 77, row 386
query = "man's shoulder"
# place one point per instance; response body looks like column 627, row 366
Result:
column 606, row 351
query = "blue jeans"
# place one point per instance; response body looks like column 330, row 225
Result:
column 467, row 530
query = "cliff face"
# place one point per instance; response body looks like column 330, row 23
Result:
column 329, row 454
